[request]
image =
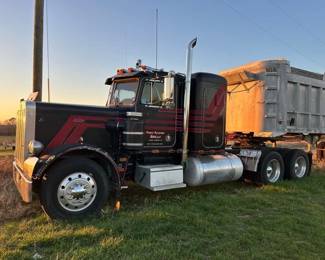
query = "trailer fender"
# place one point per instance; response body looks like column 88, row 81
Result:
column 250, row 159
column 101, row 157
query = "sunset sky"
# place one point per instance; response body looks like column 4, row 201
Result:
column 90, row 39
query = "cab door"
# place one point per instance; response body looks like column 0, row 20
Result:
column 157, row 104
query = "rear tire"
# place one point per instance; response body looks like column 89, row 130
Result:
column 297, row 164
column 271, row 167
column 74, row 188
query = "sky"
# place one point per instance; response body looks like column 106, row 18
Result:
column 89, row 40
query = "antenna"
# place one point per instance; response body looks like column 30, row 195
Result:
column 156, row 38
column 125, row 45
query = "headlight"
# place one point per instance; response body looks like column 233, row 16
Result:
column 35, row 147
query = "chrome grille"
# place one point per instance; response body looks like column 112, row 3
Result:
column 25, row 130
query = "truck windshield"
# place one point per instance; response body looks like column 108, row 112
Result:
column 124, row 93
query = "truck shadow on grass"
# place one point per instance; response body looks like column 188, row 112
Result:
column 135, row 197
column 194, row 222
column 12, row 207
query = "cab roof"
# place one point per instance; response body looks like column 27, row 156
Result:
column 139, row 73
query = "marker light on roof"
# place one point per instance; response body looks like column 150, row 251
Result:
column 120, row 71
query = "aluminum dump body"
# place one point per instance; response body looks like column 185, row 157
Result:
column 270, row 98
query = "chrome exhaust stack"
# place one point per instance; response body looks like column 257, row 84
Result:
column 205, row 169
column 187, row 96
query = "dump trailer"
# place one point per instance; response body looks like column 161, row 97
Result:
column 162, row 130
column 273, row 101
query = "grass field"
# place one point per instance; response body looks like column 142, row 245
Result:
column 232, row 220
column 7, row 138
column 6, row 150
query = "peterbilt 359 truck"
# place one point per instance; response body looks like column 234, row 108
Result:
column 161, row 130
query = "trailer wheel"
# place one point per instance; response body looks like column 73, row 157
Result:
column 74, row 188
column 297, row 164
column 271, row 167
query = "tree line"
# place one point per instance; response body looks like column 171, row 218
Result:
column 8, row 127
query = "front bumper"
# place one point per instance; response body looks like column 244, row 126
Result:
column 23, row 178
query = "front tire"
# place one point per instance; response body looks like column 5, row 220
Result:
column 74, row 188
column 271, row 167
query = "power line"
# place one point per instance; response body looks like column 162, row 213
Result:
column 298, row 23
column 270, row 33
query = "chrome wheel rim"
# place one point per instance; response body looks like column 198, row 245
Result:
column 77, row 191
column 273, row 170
column 300, row 167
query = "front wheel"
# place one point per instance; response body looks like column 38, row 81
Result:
column 73, row 188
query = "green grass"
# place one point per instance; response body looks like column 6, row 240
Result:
column 232, row 220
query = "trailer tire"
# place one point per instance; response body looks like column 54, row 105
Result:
column 271, row 167
column 297, row 164
column 74, row 188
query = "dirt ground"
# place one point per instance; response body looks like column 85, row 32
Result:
column 11, row 205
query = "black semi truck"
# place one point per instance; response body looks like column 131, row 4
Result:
column 162, row 130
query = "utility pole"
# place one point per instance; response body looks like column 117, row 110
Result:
column 156, row 38
column 38, row 49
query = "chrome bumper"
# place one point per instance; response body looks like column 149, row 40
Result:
column 23, row 183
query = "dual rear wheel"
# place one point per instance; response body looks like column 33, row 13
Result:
column 274, row 166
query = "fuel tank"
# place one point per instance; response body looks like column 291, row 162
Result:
column 210, row 169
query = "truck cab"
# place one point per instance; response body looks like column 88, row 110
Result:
column 151, row 103
column 156, row 98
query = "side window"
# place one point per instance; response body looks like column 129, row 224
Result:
column 154, row 94
column 124, row 93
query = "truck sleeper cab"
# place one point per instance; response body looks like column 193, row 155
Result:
column 161, row 130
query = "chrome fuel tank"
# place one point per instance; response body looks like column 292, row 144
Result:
column 209, row 169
